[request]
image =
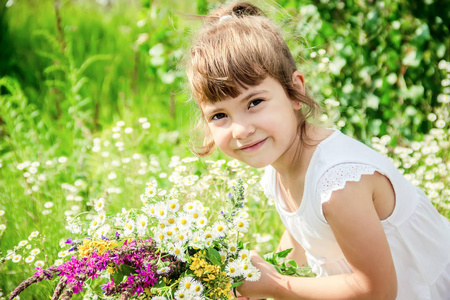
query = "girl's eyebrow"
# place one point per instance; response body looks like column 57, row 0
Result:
column 252, row 94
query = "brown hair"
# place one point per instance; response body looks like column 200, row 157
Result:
column 238, row 47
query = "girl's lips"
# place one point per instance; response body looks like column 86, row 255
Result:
column 253, row 147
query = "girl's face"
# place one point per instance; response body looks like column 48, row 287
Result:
column 259, row 127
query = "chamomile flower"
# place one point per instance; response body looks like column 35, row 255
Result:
column 170, row 231
column 244, row 264
column 178, row 250
column 233, row 269
column 141, row 224
column 104, row 230
column 163, row 270
column 39, row 264
column 182, row 294
column 223, row 255
column 189, row 207
column 129, row 227
column 63, row 253
column 219, row 229
column 181, row 236
column 184, row 221
column 196, row 241
column 35, row 251
column 23, row 243
column 94, row 224
column 202, row 221
column 244, row 254
column 2, row 227
column 58, row 262
column 29, row 259
column 173, row 205
column 161, row 211
column 241, row 224
column 252, row 274
column 233, row 248
column 158, row 298
column 16, row 258
column 99, row 205
column 150, row 210
column 186, row 282
column 170, row 221
column 150, row 192
column 34, row 234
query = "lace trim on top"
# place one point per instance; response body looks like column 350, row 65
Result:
column 335, row 178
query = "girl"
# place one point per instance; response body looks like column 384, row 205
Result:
column 364, row 229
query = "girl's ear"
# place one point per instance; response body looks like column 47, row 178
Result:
column 298, row 81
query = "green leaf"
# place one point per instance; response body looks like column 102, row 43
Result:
column 236, row 284
column 213, row 256
column 293, row 263
column 284, row 253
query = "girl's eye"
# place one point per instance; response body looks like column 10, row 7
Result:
column 255, row 102
column 218, row 116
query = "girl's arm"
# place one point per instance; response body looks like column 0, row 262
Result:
column 352, row 216
column 297, row 253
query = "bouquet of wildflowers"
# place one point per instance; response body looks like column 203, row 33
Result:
column 168, row 249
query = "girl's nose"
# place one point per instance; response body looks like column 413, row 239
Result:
column 242, row 130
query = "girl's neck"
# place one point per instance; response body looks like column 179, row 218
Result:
column 292, row 167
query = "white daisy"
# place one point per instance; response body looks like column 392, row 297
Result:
column 170, row 232
column 241, row 224
column 39, row 264
column 161, row 211
column 202, row 221
column 196, row 238
column 163, row 270
column 63, row 253
column 170, row 221
column 141, row 224
column 188, row 207
column 104, row 230
column 29, row 259
column 173, row 205
column 219, row 229
column 252, row 274
column 16, row 258
column 150, row 209
column 34, row 234
column 244, row 254
column 223, row 255
column 158, row 298
column 94, row 224
column 129, row 227
column 23, row 243
column 233, row 248
column 186, row 282
column 99, row 205
column 184, row 221
column 181, row 236
column 35, row 252
column 233, row 269
column 182, row 294
column 178, row 250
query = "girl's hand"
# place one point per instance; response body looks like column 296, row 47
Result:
column 265, row 286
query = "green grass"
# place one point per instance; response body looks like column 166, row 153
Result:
column 66, row 84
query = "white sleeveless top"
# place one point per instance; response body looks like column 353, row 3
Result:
column 419, row 237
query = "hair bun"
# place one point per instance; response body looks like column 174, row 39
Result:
column 243, row 9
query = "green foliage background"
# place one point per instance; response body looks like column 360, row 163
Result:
column 69, row 70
